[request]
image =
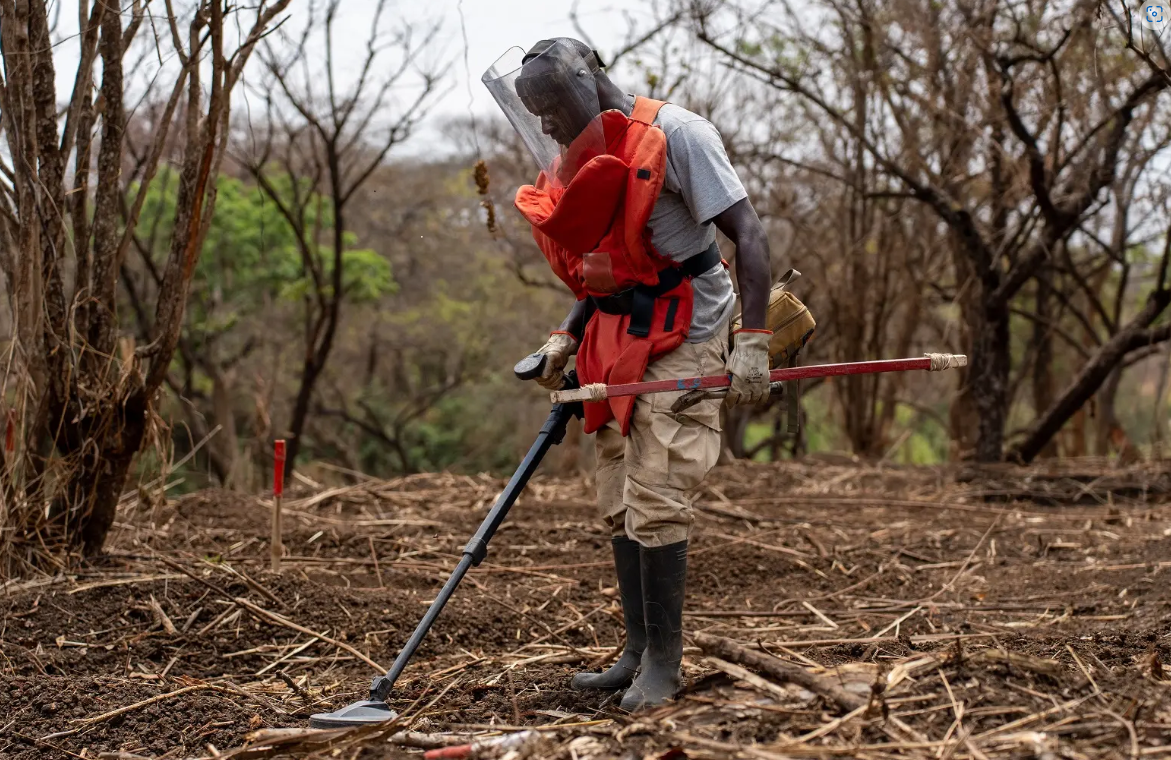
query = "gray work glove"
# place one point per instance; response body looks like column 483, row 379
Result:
column 748, row 366
column 558, row 349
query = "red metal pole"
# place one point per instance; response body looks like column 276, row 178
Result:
column 599, row 392
column 278, row 490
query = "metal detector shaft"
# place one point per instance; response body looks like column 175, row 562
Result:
column 477, row 548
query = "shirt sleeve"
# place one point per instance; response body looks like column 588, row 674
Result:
column 702, row 172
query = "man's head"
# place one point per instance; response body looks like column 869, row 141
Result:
column 558, row 84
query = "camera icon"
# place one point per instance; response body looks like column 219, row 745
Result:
column 1155, row 16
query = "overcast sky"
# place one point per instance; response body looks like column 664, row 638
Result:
column 492, row 27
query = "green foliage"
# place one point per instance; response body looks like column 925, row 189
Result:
column 928, row 441
column 756, row 433
column 821, row 430
column 252, row 252
column 250, row 288
column 817, row 422
column 747, row 48
column 366, row 277
column 249, row 252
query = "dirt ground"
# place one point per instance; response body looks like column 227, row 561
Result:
column 999, row 613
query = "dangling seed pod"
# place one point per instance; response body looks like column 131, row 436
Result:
column 482, row 180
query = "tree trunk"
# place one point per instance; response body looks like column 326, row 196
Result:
column 988, row 375
column 774, row 446
column 1043, row 341
column 309, row 374
column 225, row 444
column 89, row 502
column 1075, row 436
column 1109, row 432
column 321, row 340
column 1161, row 417
column 1092, row 375
column 963, row 423
column 87, row 407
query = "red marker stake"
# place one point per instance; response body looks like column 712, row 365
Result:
column 278, row 490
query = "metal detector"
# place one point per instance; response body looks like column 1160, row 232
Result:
column 375, row 709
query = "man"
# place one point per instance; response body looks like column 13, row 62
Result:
column 626, row 211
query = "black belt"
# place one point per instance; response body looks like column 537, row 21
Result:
column 639, row 301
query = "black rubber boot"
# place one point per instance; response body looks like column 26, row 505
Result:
column 664, row 575
column 621, row 673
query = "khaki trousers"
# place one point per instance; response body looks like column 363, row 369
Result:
column 646, row 481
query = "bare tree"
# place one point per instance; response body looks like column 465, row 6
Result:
column 1135, row 336
column 88, row 406
column 329, row 143
column 985, row 117
column 1121, row 239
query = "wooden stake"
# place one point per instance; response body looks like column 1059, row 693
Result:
column 278, row 490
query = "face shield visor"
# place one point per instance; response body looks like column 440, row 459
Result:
column 552, row 102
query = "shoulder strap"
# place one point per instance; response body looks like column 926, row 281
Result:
column 786, row 279
column 645, row 109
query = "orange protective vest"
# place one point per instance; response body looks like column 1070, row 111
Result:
column 594, row 233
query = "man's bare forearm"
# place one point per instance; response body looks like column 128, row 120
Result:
column 742, row 226
column 752, row 273
column 575, row 321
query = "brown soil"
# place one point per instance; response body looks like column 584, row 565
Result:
column 1069, row 567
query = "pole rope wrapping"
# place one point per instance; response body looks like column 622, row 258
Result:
column 940, row 362
column 597, row 391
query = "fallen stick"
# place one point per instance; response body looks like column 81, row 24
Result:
column 926, row 638
column 601, row 391
column 255, row 697
column 896, row 623
column 248, row 581
column 117, row 582
column 748, row 677
column 296, row 687
column 419, row 740
column 729, row 650
column 272, row 617
column 1039, row 665
column 227, row 614
column 161, row 616
column 1071, row 704
column 826, row 729
column 190, row 574
column 732, row 750
column 500, row 744
column 86, row 722
column 288, row 656
column 792, row 750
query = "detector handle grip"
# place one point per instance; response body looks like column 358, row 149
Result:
column 531, row 367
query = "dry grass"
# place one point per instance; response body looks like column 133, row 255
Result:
column 832, row 612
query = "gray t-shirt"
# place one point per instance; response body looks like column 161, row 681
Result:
column 700, row 185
